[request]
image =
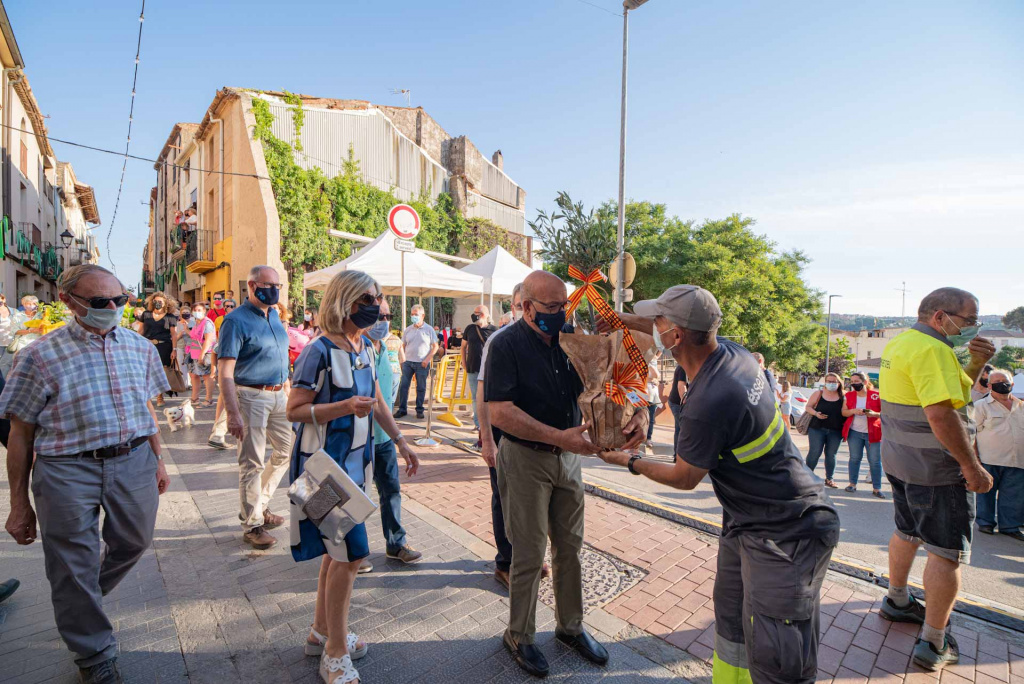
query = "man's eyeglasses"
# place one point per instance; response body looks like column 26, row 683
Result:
column 553, row 307
column 385, row 317
column 102, row 302
column 367, row 299
column 971, row 322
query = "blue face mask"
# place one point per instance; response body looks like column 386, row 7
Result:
column 379, row 330
column 659, row 344
column 415, row 319
column 102, row 319
column 268, row 295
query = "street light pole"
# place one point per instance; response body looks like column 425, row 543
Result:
column 620, row 241
column 828, row 332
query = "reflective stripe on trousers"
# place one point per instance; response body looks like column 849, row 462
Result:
column 729, row 665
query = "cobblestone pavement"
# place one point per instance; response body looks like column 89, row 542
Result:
column 204, row 607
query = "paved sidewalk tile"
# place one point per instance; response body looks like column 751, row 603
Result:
column 203, row 607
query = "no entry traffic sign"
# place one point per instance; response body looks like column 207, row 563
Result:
column 403, row 221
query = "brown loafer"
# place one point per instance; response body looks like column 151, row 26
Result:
column 259, row 538
column 271, row 520
column 501, row 576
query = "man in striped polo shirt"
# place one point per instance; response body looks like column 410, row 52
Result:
column 928, row 455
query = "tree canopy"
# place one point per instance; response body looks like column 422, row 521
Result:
column 766, row 305
column 1015, row 319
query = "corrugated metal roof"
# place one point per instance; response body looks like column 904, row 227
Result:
column 387, row 159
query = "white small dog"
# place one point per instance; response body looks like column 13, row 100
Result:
column 180, row 416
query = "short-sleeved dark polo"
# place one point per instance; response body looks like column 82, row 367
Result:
column 677, row 377
column 536, row 377
column 730, row 426
column 257, row 342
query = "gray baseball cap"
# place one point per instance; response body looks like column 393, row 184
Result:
column 688, row 306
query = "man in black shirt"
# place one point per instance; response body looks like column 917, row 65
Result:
column 531, row 390
column 675, row 401
column 778, row 526
column 473, row 348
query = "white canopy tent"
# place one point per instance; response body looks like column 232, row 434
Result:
column 424, row 276
column 1018, row 385
column 500, row 271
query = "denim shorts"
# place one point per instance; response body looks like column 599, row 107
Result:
column 940, row 517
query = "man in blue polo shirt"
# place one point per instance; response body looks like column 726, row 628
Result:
column 252, row 359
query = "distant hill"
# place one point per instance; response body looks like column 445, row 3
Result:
column 861, row 322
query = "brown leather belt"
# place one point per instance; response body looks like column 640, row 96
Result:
column 266, row 388
column 108, row 452
column 536, row 446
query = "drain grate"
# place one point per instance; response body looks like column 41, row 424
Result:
column 604, row 578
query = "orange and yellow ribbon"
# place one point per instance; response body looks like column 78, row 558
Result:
column 593, row 295
column 625, row 380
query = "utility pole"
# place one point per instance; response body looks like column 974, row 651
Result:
column 903, row 308
column 828, row 333
column 620, row 241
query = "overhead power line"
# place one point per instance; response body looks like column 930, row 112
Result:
column 133, row 156
column 603, row 9
column 128, row 141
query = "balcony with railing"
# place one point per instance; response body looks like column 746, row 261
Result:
column 26, row 245
column 199, row 251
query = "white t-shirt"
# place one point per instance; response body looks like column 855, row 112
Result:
column 1000, row 432
column 860, row 423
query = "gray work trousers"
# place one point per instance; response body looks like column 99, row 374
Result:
column 69, row 493
column 767, row 597
column 541, row 497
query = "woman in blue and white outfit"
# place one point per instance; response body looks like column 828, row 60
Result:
column 334, row 400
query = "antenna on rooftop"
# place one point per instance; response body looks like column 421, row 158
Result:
column 404, row 92
column 903, row 309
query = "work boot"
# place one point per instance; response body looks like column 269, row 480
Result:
column 259, row 538
column 272, row 520
column 406, row 554
column 101, row 673
column 913, row 612
column 927, row 657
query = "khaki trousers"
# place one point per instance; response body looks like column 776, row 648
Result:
column 541, row 497
column 264, row 417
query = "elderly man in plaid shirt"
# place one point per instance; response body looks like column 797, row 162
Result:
column 78, row 399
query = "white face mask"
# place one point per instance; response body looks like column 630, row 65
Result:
column 832, row 386
column 199, row 315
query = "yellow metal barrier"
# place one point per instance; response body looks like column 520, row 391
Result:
column 458, row 392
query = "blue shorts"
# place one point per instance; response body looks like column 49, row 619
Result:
column 941, row 518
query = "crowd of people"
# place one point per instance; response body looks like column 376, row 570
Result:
column 327, row 395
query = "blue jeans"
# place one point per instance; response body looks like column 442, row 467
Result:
column 385, row 477
column 819, row 439
column 1008, row 483
column 650, row 422
column 471, row 380
column 857, row 441
column 408, row 369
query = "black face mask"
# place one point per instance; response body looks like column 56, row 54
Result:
column 857, row 386
column 268, row 295
column 475, row 317
column 366, row 316
column 549, row 323
column 158, row 305
column 1001, row 387
column 983, row 382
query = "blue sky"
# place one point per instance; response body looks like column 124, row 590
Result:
column 884, row 139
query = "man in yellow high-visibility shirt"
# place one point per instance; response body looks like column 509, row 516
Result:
column 928, row 455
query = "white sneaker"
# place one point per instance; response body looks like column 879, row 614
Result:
column 337, row 670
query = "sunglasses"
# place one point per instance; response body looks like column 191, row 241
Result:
column 367, row 299
column 229, row 306
column 102, row 302
column 385, row 317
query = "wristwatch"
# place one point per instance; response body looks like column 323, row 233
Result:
column 633, row 459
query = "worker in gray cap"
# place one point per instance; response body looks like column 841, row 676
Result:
column 778, row 526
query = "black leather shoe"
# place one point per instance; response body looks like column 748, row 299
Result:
column 8, row 588
column 586, row 646
column 528, row 657
column 399, row 414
